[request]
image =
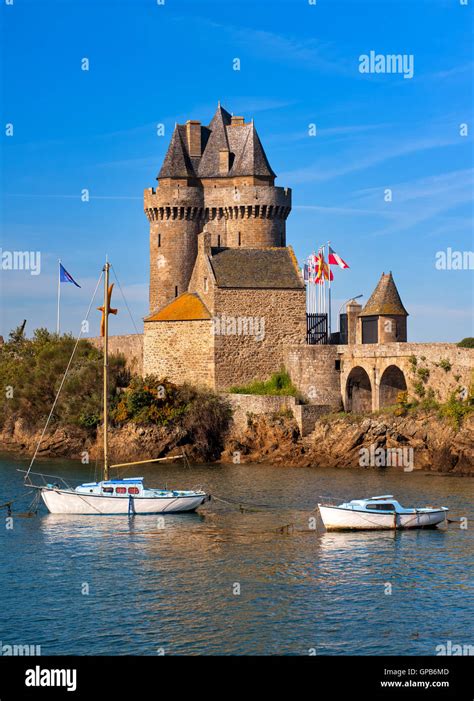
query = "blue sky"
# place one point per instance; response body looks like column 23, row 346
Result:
column 152, row 64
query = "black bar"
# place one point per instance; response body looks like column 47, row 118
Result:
column 150, row 677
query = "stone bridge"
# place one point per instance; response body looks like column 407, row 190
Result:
column 368, row 377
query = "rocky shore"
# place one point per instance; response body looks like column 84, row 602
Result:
column 431, row 443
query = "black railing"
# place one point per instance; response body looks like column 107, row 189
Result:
column 316, row 329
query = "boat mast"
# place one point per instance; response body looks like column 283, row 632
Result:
column 106, row 351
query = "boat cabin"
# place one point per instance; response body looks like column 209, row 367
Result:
column 385, row 504
column 126, row 487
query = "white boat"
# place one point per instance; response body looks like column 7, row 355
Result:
column 110, row 496
column 379, row 513
column 120, row 496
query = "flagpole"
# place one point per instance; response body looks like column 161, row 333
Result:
column 329, row 296
column 59, row 295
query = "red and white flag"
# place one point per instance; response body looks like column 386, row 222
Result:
column 335, row 259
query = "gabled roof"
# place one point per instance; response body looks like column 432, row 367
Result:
column 385, row 299
column 272, row 268
column 187, row 307
column 247, row 156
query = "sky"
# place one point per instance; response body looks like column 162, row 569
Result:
column 153, row 63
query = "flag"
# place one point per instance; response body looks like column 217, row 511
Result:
column 64, row 276
column 324, row 272
column 335, row 259
column 306, row 272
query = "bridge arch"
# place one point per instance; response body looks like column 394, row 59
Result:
column 391, row 383
column 358, row 391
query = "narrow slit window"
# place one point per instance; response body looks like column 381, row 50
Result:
column 240, row 239
column 218, row 240
column 176, row 291
column 159, row 240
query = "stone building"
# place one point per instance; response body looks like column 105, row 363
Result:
column 226, row 293
column 384, row 318
column 218, row 178
column 227, row 299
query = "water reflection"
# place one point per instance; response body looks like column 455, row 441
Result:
column 174, row 587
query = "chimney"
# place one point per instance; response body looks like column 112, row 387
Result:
column 237, row 121
column 193, row 135
column 224, row 161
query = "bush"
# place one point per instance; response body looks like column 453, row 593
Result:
column 202, row 416
column 429, row 400
column 466, row 342
column 34, row 368
column 423, row 374
column 456, row 410
column 445, row 364
column 419, row 389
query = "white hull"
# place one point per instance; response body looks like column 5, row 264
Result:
column 337, row 519
column 68, row 502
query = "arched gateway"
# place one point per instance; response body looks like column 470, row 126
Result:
column 358, row 391
column 391, row 383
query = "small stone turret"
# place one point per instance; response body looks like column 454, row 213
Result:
column 217, row 177
column 384, row 318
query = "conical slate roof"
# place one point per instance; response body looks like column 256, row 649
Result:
column 209, row 164
column 384, row 300
column 247, row 156
column 177, row 163
column 252, row 159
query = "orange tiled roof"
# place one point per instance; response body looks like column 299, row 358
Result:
column 187, row 307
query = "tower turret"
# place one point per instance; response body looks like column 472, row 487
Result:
column 217, row 177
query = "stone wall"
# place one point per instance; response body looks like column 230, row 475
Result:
column 245, row 404
column 130, row 345
column 378, row 359
column 241, row 358
column 306, row 416
column 313, row 371
column 321, row 373
column 182, row 351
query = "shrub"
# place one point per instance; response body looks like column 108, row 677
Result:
column 202, row 416
column 429, row 400
column 423, row 374
column 413, row 362
column 456, row 410
column 466, row 342
column 34, row 369
column 419, row 389
column 445, row 364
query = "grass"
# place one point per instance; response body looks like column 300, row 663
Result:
column 279, row 385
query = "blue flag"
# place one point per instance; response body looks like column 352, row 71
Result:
column 64, row 276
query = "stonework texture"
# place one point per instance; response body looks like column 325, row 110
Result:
column 129, row 345
column 278, row 317
column 182, row 351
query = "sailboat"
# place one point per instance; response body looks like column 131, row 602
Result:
column 112, row 496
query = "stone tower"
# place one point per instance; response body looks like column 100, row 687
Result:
column 216, row 178
column 384, row 318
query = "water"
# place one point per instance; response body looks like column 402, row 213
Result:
column 172, row 590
